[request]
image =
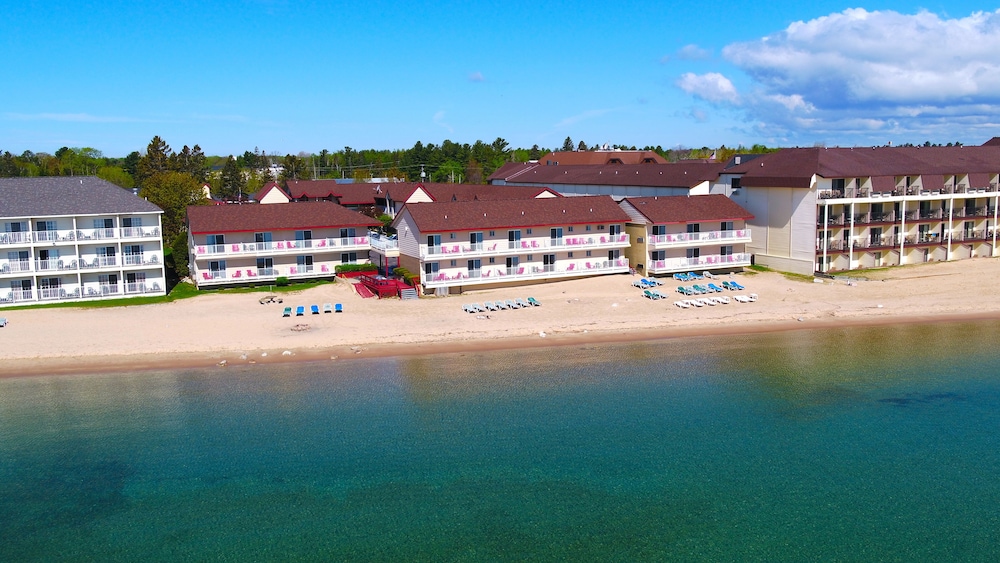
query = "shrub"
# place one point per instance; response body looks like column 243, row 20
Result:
column 344, row 268
column 281, row 281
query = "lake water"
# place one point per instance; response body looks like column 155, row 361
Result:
column 854, row 444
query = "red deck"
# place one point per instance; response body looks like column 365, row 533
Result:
column 382, row 286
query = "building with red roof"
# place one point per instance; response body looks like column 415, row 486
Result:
column 233, row 244
column 680, row 234
column 458, row 245
column 834, row 209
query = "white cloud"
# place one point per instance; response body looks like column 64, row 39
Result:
column 878, row 72
column 693, row 53
column 711, row 87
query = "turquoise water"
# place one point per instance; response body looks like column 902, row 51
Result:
column 848, row 445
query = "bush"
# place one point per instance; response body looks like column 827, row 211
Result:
column 408, row 277
column 179, row 253
column 281, row 281
column 344, row 268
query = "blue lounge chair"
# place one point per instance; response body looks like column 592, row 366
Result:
column 534, row 302
column 287, row 312
column 715, row 288
column 699, row 288
column 736, row 286
column 728, row 286
column 693, row 276
column 522, row 303
column 511, row 304
column 650, row 294
column 314, row 309
column 338, row 308
column 299, row 311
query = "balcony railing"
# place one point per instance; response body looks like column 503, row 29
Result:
column 283, row 246
column 18, row 238
column 505, row 247
column 702, row 262
column 54, row 236
column 17, row 296
column 139, row 232
column 98, row 262
column 708, row 237
column 96, row 234
column 15, row 266
column 525, row 272
column 383, row 243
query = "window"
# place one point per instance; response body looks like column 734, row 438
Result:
column 693, row 252
column 549, row 262
column 659, row 255
column 513, row 239
column 453, row 263
column 588, row 228
column 265, row 267
column 569, row 255
column 727, row 226
column 639, row 240
column 528, row 231
column 838, row 184
column 493, row 260
column 431, row 268
column 451, row 236
column 614, row 229
column 348, row 257
column 493, row 234
column 304, row 264
column 475, row 266
column 476, row 239
column 347, row 233
column 215, row 240
column 659, row 230
column 129, row 222
column 530, row 257
column 133, row 254
column 600, row 227
column 570, row 228
column 433, row 241
column 588, row 254
column 726, row 251
column 303, row 235
column 217, row 269
column 694, row 228
column 734, row 184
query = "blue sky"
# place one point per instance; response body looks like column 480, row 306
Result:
column 292, row 77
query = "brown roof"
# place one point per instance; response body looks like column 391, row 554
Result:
column 564, row 158
column 672, row 175
column 401, row 191
column 312, row 188
column 293, row 216
column 795, row 167
column 688, row 209
column 451, row 216
column 994, row 142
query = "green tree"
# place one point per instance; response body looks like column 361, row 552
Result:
column 233, row 182
column 567, row 145
column 173, row 192
column 155, row 161
column 582, row 146
column 190, row 161
column 179, row 253
column 116, row 176
column 535, row 153
column 293, row 169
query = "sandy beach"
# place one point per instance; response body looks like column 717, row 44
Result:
column 230, row 329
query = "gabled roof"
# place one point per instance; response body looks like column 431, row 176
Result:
column 255, row 218
column 402, row 191
column 566, row 158
column 67, row 195
column 795, row 167
column 994, row 142
column 266, row 189
column 673, row 175
column 688, row 209
column 312, row 188
column 452, row 216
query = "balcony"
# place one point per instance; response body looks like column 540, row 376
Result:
column 834, row 220
column 15, row 266
column 17, row 296
column 20, row 238
column 98, row 262
column 383, row 243
column 139, row 232
column 974, row 235
column 338, row 244
column 96, row 234
column 54, row 236
column 527, row 246
column 500, row 274
column 698, row 239
column 707, row 262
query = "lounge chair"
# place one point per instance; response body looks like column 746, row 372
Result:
column 469, row 308
column 314, row 309
column 707, row 274
column 696, row 303
column 693, row 276
column 287, row 312
column 327, row 308
column 682, row 304
column 737, row 286
column 652, row 282
column 700, row 288
column 658, row 294
column 534, row 302
column 752, row 297
column 299, row 311
column 722, row 299
column 741, row 298
column 637, row 283
column 715, row 288
column 521, row 302
column 650, row 294
column 338, row 308
column 482, row 308
column 511, row 304
column 3, row 321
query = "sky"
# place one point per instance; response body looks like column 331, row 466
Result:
column 290, row 77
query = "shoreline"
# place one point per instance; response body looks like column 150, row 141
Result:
column 235, row 329
column 221, row 359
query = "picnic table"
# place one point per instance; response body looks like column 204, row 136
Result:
column 270, row 299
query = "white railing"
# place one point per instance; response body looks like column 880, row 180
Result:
column 98, row 262
column 23, row 237
column 139, row 232
column 703, row 262
column 709, row 237
column 525, row 272
column 15, row 266
column 283, row 246
column 96, row 234
column 54, row 236
column 383, row 243
column 524, row 246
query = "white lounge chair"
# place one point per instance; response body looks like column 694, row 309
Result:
column 682, row 304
